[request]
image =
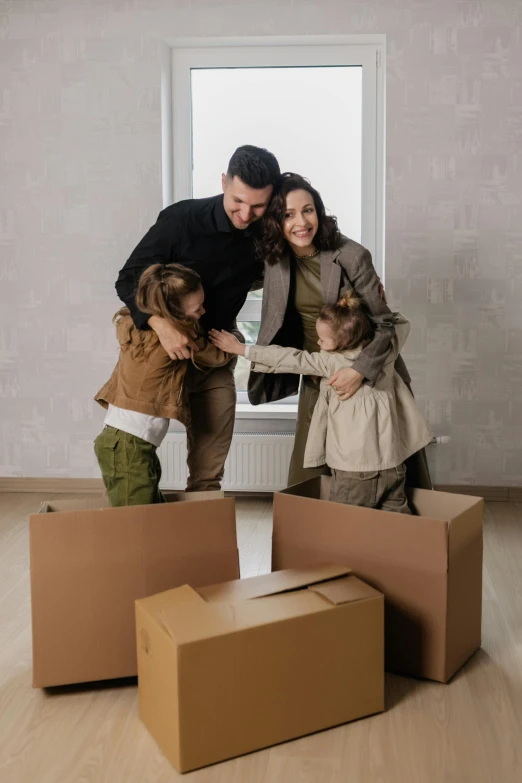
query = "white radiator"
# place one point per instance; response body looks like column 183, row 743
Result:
column 257, row 461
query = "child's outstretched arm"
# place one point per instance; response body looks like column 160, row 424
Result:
column 226, row 342
column 274, row 358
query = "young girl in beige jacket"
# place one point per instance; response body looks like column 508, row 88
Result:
column 366, row 439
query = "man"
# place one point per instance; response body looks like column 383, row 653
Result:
column 214, row 237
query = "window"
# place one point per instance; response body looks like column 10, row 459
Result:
column 317, row 107
column 279, row 108
column 250, row 329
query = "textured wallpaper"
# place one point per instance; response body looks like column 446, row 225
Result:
column 80, row 182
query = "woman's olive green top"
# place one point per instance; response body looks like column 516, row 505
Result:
column 308, row 297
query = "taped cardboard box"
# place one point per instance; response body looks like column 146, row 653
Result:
column 429, row 567
column 240, row 666
column 89, row 563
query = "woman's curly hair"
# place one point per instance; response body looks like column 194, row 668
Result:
column 272, row 245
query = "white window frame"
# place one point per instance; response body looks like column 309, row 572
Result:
column 368, row 51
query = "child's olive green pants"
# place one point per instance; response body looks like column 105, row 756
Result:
column 130, row 468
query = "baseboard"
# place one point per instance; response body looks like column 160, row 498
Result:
column 51, row 485
column 91, row 485
column 491, row 494
column 78, row 485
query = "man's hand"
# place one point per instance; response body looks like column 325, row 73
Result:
column 176, row 344
column 346, row 382
column 227, row 342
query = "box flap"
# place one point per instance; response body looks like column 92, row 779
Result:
column 188, row 621
column 74, row 504
column 330, row 533
column 186, row 615
column 317, row 487
column 445, row 506
column 102, row 501
column 187, row 497
column 272, row 584
column 466, row 527
column 344, row 591
column 156, row 604
column 140, row 534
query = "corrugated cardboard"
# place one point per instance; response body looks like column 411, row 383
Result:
column 428, row 566
column 89, row 563
column 237, row 667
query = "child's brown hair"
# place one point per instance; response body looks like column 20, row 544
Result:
column 161, row 291
column 350, row 322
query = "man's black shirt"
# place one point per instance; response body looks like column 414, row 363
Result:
column 197, row 233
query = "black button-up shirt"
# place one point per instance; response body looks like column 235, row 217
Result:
column 197, row 233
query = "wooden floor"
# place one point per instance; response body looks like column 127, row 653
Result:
column 467, row 732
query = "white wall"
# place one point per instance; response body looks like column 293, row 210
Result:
column 80, row 183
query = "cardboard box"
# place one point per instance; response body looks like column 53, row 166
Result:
column 221, row 674
column 429, row 567
column 89, row 563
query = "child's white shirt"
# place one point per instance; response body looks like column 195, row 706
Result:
column 149, row 428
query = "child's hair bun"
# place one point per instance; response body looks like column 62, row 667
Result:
column 350, row 322
column 349, row 301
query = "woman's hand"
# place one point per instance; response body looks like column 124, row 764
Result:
column 227, row 342
column 346, row 382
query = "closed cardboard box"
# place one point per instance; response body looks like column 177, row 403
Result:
column 240, row 666
column 89, row 563
column 428, row 565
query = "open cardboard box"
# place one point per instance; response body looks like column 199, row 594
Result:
column 90, row 562
column 232, row 668
column 428, row 565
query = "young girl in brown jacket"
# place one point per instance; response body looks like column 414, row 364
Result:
column 147, row 388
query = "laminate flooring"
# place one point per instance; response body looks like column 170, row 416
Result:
column 469, row 731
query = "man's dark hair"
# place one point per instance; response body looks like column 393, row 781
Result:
column 254, row 166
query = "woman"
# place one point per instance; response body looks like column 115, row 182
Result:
column 308, row 264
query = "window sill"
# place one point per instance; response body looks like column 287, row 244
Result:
column 270, row 411
column 258, row 418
